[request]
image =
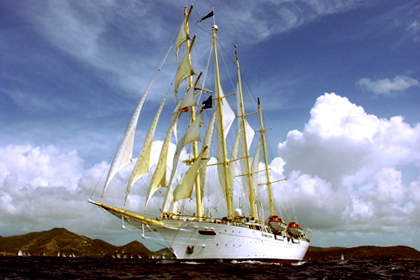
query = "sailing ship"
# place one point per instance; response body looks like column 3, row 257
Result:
column 196, row 235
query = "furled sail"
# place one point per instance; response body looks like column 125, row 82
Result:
column 142, row 164
column 184, row 71
column 185, row 186
column 123, row 155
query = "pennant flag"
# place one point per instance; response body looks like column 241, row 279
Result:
column 206, row 17
column 208, row 104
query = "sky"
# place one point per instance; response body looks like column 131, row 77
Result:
column 338, row 81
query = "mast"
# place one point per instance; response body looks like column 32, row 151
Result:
column 270, row 195
column 243, row 122
column 198, row 195
column 222, row 130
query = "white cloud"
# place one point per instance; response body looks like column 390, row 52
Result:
column 350, row 163
column 93, row 32
column 345, row 174
column 42, row 188
column 259, row 20
column 388, row 87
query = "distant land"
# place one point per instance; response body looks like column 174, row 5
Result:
column 362, row 253
column 59, row 242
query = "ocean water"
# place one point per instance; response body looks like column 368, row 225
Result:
column 91, row 268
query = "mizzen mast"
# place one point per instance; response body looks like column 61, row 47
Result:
column 245, row 142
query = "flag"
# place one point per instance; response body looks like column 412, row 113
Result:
column 185, row 110
column 206, row 17
column 208, row 104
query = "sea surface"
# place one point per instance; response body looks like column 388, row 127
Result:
column 93, row 268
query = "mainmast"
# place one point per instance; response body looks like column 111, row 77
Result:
column 198, row 194
column 243, row 123
column 270, row 195
column 222, row 130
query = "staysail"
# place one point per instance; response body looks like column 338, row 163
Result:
column 142, row 164
column 159, row 176
column 124, row 153
column 185, row 186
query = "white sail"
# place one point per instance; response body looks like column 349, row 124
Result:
column 206, row 155
column 233, row 157
column 185, row 186
column 123, row 155
column 192, row 134
column 254, row 172
column 159, row 176
column 255, row 165
column 185, row 230
column 188, row 101
column 182, row 37
column 184, row 71
column 228, row 118
column 249, row 131
column 228, row 114
column 142, row 164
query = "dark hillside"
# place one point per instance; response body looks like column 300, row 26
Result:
column 61, row 242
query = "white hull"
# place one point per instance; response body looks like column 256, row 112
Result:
column 206, row 241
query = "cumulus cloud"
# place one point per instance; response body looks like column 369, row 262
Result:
column 43, row 187
column 386, row 86
column 349, row 175
column 349, row 166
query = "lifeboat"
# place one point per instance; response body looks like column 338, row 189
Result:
column 294, row 229
column 276, row 224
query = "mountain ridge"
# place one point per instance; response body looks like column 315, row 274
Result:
column 64, row 243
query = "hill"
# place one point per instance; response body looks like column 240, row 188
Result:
column 61, row 242
column 362, row 253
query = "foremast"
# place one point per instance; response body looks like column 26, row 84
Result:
column 198, row 194
column 219, row 102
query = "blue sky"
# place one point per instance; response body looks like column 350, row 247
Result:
column 339, row 82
